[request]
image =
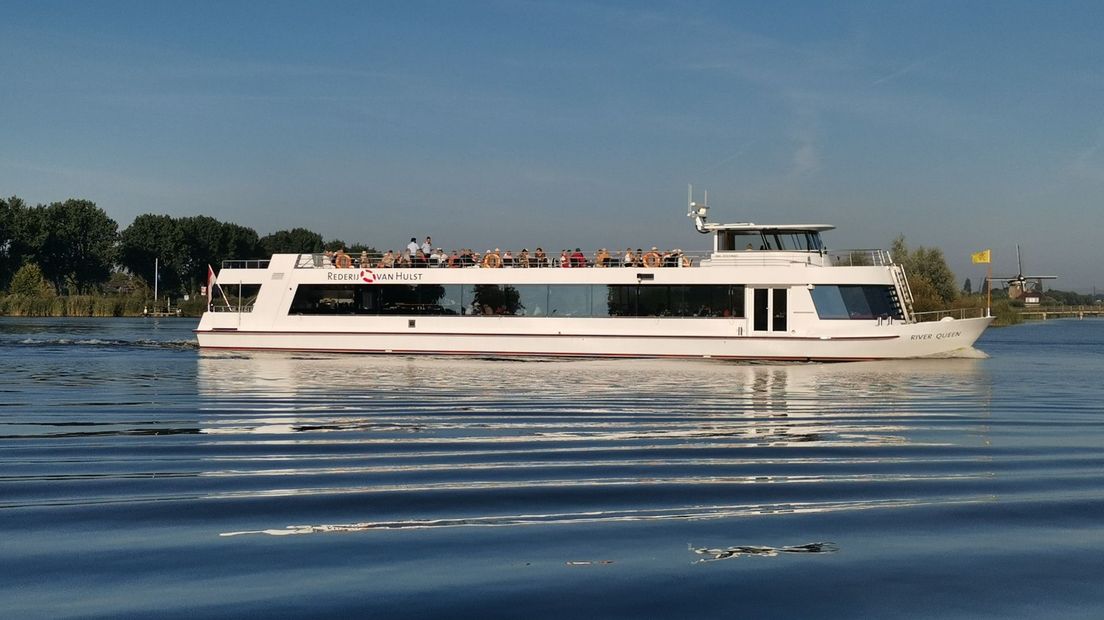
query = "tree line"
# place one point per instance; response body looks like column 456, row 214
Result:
column 74, row 248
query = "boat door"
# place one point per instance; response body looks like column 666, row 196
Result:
column 769, row 309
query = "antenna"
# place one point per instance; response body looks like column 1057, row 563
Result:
column 696, row 211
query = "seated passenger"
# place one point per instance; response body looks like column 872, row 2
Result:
column 507, row 259
column 541, row 259
column 565, row 260
column 628, row 259
column 639, row 258
column 578, row 259
column 601, row 257
column 670, row 259
column 523, row 258
column 454, row 259
column 404, row 260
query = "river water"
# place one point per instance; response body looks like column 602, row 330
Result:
column 141, row 477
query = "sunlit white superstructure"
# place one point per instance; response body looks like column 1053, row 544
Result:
column 764, row 292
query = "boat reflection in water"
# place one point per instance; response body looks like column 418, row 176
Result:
column 605, row 440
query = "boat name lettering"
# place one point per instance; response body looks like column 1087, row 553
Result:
column 939, row 336
column 368, row 276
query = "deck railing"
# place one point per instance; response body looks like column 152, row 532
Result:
column 245, row 264
column 859, row 258
column 375, row 260
column 954, row 313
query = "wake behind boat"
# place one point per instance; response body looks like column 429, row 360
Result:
column 764, row 292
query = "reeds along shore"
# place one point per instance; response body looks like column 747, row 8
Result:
column 85, row 305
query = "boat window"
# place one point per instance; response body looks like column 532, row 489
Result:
column 530, row 300
column 855, row 301
column 569, row 300
column 731, row 240
column 236, row 297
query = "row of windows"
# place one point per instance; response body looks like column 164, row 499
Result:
column 535, row 300
column 582, row 300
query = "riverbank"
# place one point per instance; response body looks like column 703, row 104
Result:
column 91, row 306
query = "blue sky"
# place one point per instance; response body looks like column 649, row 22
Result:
column 963, row 125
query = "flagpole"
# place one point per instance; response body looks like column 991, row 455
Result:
column 989, row 289
column 155, row 278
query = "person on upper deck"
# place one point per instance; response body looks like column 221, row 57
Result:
column 540, row 258
column 523, row 258
column 565, row 259
column 427, row 246
column 601, row 258
column 578, row 259
column 437, row 257
column 412, row 247
column 388, row 259
column 628, row 259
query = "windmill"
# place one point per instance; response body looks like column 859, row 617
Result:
column 1027, row 288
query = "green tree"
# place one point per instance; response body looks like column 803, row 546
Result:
column 294, row 241
column 151, row 238
column 931, row 280
column 967, row 287
column 30, row 282
column 77, row 249
column 209, row 242
column 7, row 232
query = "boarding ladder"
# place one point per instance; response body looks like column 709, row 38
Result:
column 902, row 292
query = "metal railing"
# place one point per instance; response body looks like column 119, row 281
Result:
column 954, row 313
column 245, row 264
column 215, row 307
column 377, row 260
column 859, row 258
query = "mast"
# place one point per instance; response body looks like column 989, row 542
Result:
column 155, row 279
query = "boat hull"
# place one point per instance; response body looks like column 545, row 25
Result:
column 894, row 341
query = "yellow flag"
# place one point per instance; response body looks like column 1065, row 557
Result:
column 980, row 257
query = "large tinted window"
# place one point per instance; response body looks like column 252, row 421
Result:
column 532, row 300
column 851, row 301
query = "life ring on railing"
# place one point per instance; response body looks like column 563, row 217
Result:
column 492, row 261
column 652, row 259
column 343, row 261
column 686, row 261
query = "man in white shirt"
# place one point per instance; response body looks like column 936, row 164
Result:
column 427, row 246
column 412, row 246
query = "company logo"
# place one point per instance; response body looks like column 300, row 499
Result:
column 367, row 276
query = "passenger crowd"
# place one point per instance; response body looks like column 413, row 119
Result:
column 415, row 256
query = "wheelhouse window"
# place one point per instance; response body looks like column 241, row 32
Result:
column 788, row 240
column 855, row 301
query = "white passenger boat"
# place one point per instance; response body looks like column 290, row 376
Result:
column 764, row 292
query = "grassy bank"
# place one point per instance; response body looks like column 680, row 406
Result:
column 85, row 305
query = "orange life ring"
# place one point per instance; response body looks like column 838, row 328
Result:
column 652, row 259
column 492, row 261
column 343, row 261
